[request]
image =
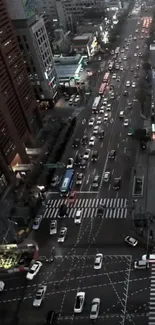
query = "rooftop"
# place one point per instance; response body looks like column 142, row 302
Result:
column 84, row 36
column 66, row 72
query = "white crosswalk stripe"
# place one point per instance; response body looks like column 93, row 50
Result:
column 114, row 208
column 152, row 296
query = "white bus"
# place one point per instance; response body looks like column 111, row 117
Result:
column 96, row 104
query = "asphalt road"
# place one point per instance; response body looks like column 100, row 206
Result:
column 124, row 292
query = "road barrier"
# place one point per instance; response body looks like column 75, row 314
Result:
column 138, row 186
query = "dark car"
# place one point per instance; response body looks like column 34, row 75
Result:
column 84, row 140
column 117, row 183
column 129, row 105
column 142, row 145
column 83, row 163
column 112, row 154
column 132, row 69
column 94, row 156
column 54, row 180
column 125, row 93
column 76, row 143
column 135, row 75
column 62, row 210
column 101, row 134
column 51, row 318
column 77, row 159
column 101, row 210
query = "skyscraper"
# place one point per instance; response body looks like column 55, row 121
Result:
column 19, row 115
column 35, row 47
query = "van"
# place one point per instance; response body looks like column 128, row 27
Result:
column 141, row 265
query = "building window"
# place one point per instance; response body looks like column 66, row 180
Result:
column 24, row 38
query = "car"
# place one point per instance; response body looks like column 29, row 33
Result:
column 126, row 122
column 94, row 156
column 84, row 140
column 133, row 85
column 70, row 163
column 62, row 234
column 92, row 141
column 2, row 285
column 137, row 66
column 83, row 163
column 140, row 54
column 112, row 96
column 112, row 154
column 129, row 105
column 39, row 296
column 122, row 50
column 101, row 111
column 108, row 108
column 91, row 121
column 55, row 181
column 136, row 31
column 132, row 69
column 140, row 265
column 106, row 115
column 53, row 227
column 114, row 76
column 135, row 54
column 121, row 67
column 76, row 143
column 142, row 37
column 72, row 197
column 148, row 257
column 131, row 241
column 95, row 307
column 79, row 302
column 142, row 145
column 119, row 60
column 37, row 222
column 34, row 269
column 125, row 58
column 135, row 38
column 98, row 261
column 62, row 211
column 77, row 159
column 117, row 183
column 87, row 154
column 95, row 183
column 78, row 216
column 101, row 134
column 125, row 93
column 106, row 176
column 121, row 114
column 117, row 67
column 96, row 129
column 79, row 179
column 51, row 318
column 118, row 79
column 128, row 84
column 105, row 101
column 99, row 120
column 127, row 47
column 101, row 210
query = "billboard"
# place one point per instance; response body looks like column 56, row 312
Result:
column 29, row 7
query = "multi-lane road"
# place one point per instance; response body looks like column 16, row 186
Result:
column 124, row 292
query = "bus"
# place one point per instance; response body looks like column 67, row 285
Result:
column 117, row 50
column 102, row 88
column 106, row 77
column 96, row 104
column 67, row 182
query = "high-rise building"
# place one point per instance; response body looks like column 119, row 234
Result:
column 34, row 44
column 47, row 7
column 19, row 115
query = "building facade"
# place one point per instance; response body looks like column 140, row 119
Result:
column 19, row 116
column 34, row 43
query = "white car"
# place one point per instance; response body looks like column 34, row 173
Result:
column 79, row 302
column 39, row 296
column 53, row 227
column 106, row 177
column 37, row 222
column 122, row 50
column 105, row 101
column 2, row 285
column 96, row 129
column 108, row 108
column 133, row 84
column 128, row 84
column 126, row 122
column 99, row 120
column 121, row 68
column 135, row 54
column 33, row 270
column 62, row 235
column 101, row 111
column 125, row 58
column 148, row 257
column 131, row 241
column 87, row 154
column 70, row 163
column 114, row 76
column 91, row 121
column 106, row 117
column 137, row 47
column 78, row 216
column 121, row 114
column 92, row 141
column 98, row 261
column 141, row 264
column 95, row 307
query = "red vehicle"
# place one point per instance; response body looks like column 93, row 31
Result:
column 72, row 197
column 106, row 77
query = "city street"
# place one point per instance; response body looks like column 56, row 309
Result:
column 123, row 290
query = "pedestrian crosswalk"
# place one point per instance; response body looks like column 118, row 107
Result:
column 114, row 208
column 152, row 296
